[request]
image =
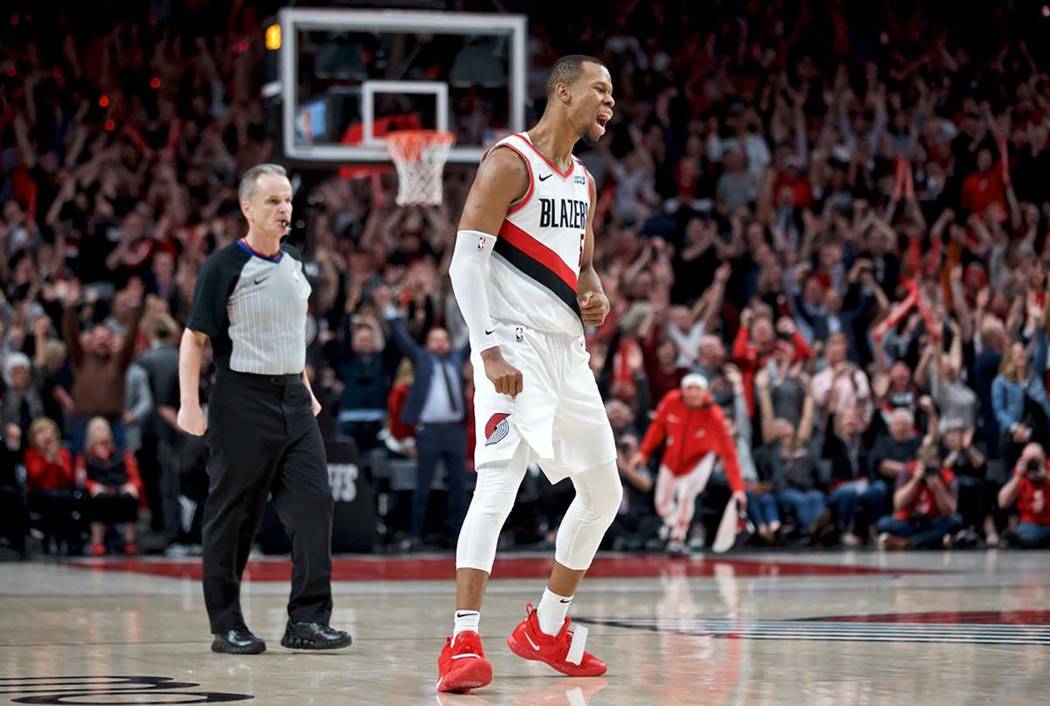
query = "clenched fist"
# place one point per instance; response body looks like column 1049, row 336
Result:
column 505, row 377
column 594, row 307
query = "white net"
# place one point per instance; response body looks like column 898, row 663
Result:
column 419, row 156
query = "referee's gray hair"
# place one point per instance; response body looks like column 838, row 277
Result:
column 248, row 179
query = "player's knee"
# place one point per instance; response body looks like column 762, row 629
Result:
column 609, row 504
column 489, row 513
column 492, row 501
column 603, row 498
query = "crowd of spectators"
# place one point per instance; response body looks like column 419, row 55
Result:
column 835, row 213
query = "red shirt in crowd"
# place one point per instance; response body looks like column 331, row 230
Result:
column 800, row 185
column 1033, row 500
column 981, row 189
column 691, row 434
column 748, row 358
column 661, row 381
column 924, row 504
column 43, row 475
column 395, row 403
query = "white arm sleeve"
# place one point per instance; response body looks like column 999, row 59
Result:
column 469, row 272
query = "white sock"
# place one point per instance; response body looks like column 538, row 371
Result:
column 465, row 620
column 551, row 612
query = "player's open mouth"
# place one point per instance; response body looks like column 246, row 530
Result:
column 283, row 223
column 603, row 119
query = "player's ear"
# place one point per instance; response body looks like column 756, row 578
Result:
column 564, row 92
column 245, row 206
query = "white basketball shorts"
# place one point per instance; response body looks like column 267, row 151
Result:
column 559, row 412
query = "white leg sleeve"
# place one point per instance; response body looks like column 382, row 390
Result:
column 598, row 496
column 494, row 495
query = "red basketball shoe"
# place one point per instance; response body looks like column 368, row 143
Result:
column 462, row 665
column 563, row 651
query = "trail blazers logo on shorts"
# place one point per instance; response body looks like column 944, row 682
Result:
column 497, row 428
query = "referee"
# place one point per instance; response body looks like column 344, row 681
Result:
column 250, row 300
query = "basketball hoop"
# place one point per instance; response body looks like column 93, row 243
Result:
column 419, row 156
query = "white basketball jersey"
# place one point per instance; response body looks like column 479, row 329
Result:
column 537, row 256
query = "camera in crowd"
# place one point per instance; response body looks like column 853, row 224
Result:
column 1033, row 467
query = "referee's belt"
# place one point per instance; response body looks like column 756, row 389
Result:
column 277, row 380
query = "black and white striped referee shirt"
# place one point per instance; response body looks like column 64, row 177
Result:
column 253, row 308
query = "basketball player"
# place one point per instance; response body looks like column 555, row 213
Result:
column 523, row 274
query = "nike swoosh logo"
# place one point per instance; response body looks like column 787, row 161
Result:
column 567, row 600
column 261, row 279
column 489, row 333
column 534, row 645
column 545, row 178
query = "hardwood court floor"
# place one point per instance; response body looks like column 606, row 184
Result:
column 809, row 628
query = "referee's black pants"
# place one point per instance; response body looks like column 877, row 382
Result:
column 265, row 441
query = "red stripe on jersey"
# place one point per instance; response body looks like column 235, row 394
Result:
column 538, row 252
column 514, row 208
column 527, row 141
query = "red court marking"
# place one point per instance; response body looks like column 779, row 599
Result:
column 979, row 617
column 443, row 568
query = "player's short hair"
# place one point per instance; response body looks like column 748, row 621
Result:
column 248, row 179
column 567, row 69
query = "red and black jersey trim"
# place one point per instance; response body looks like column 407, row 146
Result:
column 538, row 262
column 520, row 203
column 563, row 174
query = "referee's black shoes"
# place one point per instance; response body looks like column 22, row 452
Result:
column 239, row 641
column 314, row 636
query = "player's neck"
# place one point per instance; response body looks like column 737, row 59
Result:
column 555, row 140
column 263, row 244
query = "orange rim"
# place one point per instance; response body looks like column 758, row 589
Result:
column 408, row 145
